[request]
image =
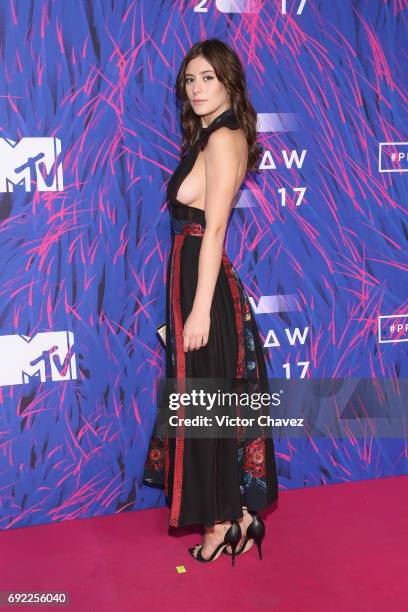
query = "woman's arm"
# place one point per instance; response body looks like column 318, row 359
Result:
column 221, row 167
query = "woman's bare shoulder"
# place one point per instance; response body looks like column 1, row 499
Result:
column 227, row 140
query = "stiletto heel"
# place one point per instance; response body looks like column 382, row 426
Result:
column 234, row 548
column 231, row 537
column 256, row 531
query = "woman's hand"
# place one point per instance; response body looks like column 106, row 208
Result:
column 196, row 330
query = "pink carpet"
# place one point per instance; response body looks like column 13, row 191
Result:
column 339, row 547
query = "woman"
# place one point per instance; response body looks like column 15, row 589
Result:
column 211, row 330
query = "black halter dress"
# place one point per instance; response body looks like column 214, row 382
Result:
column 209, row 480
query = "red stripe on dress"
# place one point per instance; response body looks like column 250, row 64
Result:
column 238, row 314
column 178, row 321
column 180, row 361
column 166, row 444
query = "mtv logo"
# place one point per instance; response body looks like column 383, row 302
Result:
column 45, row 356
column 29, row 159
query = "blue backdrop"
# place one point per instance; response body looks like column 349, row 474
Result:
column 89, row 134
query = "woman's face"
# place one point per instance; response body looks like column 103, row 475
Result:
column 207, row 95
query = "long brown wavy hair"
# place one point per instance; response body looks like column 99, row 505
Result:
column 228, row 68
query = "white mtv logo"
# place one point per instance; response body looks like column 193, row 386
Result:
column 29, row 159
column 45, row 356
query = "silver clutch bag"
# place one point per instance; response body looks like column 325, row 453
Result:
column 161, row 332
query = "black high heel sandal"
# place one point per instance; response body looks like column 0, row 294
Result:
column 256, row 531
column 231, row 537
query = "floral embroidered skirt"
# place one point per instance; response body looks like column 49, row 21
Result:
column 208, row 480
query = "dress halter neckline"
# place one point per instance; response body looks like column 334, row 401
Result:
column 227, row 118
column 225, row 114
